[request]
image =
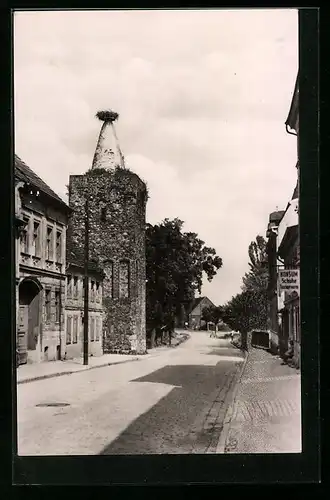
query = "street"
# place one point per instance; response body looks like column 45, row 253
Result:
column 172, row 401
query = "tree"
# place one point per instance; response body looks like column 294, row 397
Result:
column 257, row 277
column 248, row 310
column 176, row 262
column 212, row 314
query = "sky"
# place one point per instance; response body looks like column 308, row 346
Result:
column 202, row 98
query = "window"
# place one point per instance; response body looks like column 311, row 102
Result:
column 57, row 306
column 75, row 329
column 75, row 287
column 58, row 246
column 49, row 244
column 108, row 280
column 48, row 304
column 24, row 240
column 97, row 330
column 98, row 289
column 69, row 329
column 69, row 286
column 124, row 280
column 92, row 291
column 36, row 239
column 103, row 214
column 92, row 329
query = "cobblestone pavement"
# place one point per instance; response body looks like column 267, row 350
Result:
column 265, row 416
column 171, row 402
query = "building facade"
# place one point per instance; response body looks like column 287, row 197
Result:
column 289, row 242
column 274, row 294
column 195, row 316
column 41, row 220
column 289, row 252
column 74, row 311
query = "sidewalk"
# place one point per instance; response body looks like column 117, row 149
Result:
column 38, row 371
column 266, row 410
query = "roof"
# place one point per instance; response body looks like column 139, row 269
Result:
column 197, row 301
column 26, row 174
column 276, row 216
column 292, row 116
column 295, row 192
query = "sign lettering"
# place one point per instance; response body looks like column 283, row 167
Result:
column 289, row 280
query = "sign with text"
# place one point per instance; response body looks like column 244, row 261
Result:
column 289, row 280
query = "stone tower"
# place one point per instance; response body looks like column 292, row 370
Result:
column 116, row 212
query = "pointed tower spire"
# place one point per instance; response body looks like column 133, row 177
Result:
column 108, row 153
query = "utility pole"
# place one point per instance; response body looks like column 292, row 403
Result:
column 86, row 290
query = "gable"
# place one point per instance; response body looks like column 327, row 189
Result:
column 204, row 302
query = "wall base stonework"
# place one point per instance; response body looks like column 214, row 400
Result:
column 74, row 351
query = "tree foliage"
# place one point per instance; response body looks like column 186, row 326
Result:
column 257, row 277
column 248, row 310
column 212, row 314
column 176, row 262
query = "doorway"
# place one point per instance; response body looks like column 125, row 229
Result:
column 28, row 318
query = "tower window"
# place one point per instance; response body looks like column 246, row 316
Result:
column 124, row 279
column 103, row 214
column 108, row 280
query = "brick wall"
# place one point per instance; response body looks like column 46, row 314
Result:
column 117, row 203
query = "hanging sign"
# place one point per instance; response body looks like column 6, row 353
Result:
column 289, row 280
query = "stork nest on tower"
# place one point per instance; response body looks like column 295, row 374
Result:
column 107, row 115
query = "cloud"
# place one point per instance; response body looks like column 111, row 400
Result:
column 202, row 98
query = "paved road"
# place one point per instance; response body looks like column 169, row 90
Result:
column 174, row 401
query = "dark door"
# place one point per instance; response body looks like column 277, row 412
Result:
column 260, row 338
column 33, row 323
column 28, row 327
column 22, row 333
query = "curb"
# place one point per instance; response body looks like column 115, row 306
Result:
column 150, row 352
column 229, row 413
column 71, row 372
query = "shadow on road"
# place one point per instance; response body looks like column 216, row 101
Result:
column 175, row 423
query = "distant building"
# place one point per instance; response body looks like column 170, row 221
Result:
column 195, row 316
column 41, row 219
